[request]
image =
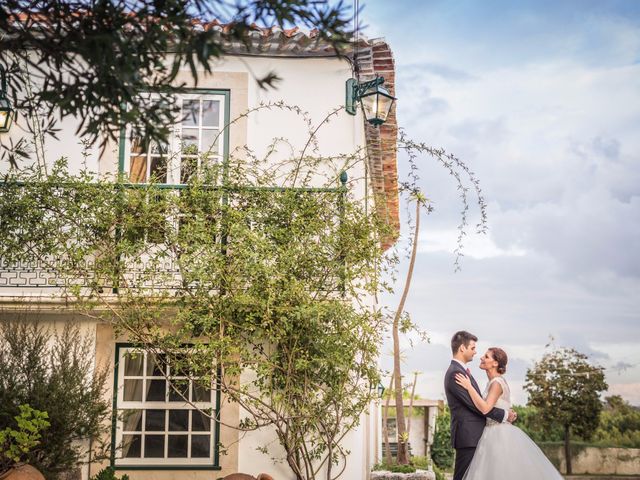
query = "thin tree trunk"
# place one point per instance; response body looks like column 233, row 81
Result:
column 400, row 421
column 385, row 419
column 413, row 392
column 567, row 449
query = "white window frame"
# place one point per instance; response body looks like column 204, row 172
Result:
column 174, row 142
column 122, row 405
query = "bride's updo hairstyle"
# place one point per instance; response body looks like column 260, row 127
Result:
column 500, row 356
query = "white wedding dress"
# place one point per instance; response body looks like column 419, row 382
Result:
column 505, row 452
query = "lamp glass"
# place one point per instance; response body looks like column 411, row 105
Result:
column 376, row 104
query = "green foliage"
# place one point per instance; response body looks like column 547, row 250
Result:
column 420, row 461
column 50, row 372
column 108, row 474
column 265, row 279
column 16, row 444
column 529, row 422
column 394, row 467
column 565, row 388
column 619, row 424
column 442, row 452
column 439, row 472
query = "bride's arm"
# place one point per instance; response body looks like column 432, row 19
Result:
column 481, row 404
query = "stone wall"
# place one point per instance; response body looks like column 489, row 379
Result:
column 596, row 460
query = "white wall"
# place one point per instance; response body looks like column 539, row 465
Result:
column 317, row 86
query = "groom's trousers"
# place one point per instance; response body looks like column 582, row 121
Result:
column 463, row 459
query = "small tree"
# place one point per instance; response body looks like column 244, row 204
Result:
column 566, row 389
column 51, row 373
column 441, row 450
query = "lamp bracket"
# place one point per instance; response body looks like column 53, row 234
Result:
column 3, row 82
column 355, row 91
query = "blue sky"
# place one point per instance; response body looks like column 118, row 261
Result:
column 542, row 100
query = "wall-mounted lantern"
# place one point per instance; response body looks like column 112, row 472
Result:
column 375, row 99
column 6, row 112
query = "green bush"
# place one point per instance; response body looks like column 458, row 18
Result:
column 441, row 450
column 420, row 461
column 108, row 474
column 394, row 467
column 529, row 422
column 51, row 372
column 439, row 473
column 16, row 444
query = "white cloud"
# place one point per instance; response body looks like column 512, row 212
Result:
column 545, row 108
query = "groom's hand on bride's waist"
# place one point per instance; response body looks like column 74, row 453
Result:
column 512, row 416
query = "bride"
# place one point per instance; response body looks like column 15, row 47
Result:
column 504, row 451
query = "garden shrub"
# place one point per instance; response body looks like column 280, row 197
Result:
column 52, row 372
column 16, row 444
column 108, row 474
column 441, row 450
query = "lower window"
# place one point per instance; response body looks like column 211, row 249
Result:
column 163, row 418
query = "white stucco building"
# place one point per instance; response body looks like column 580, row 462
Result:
column 313, row 78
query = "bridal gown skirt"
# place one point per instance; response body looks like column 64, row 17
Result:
column 506, row 453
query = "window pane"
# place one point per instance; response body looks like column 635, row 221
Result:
column 159, row 169
column 154, row 420
column 133, row 364
column 138, row 169
column 179, row 390
column 200, row 446
column 132, row 391
column 132, row 420
column 158, row 148
column 201, row 393
column 137, row 145
column 208, row 136
column 189, row 141
column 178, row 446
column 154, row 446
column 190, row 112
column 200, row 422
column 156, row 390
column 210, row 113
column 155, row 365
column 131, row 446
column 178, row 420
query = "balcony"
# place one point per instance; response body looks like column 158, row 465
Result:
column 62, row 240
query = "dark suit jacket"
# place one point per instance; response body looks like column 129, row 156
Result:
column 467, row 422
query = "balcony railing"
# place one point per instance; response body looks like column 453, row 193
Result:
column 29, row 271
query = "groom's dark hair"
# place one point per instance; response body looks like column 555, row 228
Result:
column 461, row 338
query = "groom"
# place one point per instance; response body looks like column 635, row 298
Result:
column 467, row 422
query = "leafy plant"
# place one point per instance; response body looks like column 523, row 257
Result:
column 565, row 388
column 16, row 444
column 108, row 474
column 51, row 372
column 439, row 473
column 395, row 467
column 442, row 452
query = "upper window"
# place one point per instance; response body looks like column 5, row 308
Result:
column 195, row 139
column 163, row 417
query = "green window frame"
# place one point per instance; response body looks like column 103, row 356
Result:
column 149, row 417
column 171, row 163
